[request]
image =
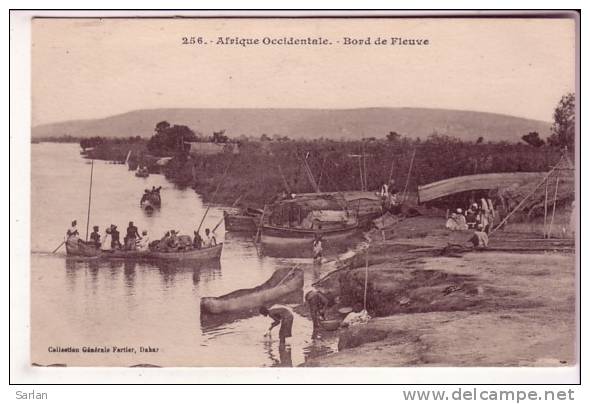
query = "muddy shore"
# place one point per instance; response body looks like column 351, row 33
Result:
column 489, row 308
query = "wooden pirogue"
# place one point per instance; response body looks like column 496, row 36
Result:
column 81, row 249
column 283, row 282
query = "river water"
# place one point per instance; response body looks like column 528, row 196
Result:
column 132, row 305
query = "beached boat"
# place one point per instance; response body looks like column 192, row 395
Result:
column 82, row 249
column 287, row 236
column 299, row 220
column 283, row 282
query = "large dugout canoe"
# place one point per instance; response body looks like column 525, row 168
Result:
column 282, row 283
column 81, row 249
column 456, row 185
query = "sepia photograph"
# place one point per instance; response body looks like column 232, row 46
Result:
column 389, row 192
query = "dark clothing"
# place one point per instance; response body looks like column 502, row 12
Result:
column 471, row 218
column 115, row 242
column 282, row 315
column 95, row 237
column 132, row 232
column 317, row 302
column 131, row 237
column 198, row 242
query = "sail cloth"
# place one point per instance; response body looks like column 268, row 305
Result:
column 455, row 185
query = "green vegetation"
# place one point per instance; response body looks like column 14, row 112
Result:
column 100, row 148
column 563, row 130
column 264, row 168
column 267, row 164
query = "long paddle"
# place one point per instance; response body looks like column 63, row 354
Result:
column 213, row 198
column 58, row 247
column 233, row 205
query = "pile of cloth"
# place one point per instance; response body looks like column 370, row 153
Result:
column 172, row 242
column 353, row 318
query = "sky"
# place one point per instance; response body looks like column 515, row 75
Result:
column 94, row 68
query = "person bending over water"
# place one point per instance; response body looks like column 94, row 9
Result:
column 281, row 315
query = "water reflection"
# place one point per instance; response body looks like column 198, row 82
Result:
column 284, row 358
column 167, row 270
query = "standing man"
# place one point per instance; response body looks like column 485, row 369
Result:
column 115, row 241
column 95, row 237
column 317, row 250
column 107, row 240
column 131, row 237
column 197, row 241
column 281, row 315
column 73, row 230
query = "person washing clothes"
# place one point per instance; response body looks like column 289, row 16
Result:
column 318, row 302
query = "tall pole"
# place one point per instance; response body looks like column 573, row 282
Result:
column 391, row 170
column 408, row 177
column 365, row 168
column 366, row 278
column 523, row 201
column 554, row 204
column 361, row 174
column 89, row 198
column 214, row 195
column 545, row 216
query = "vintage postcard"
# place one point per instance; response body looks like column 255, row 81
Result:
column 352, row 192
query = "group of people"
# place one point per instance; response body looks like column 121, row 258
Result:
column 111, row 240
column 318, row 302
column 171, row 241
column 477, row 217
column 389, row 197
column 152, row 195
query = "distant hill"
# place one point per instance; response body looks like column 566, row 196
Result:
column 306, row 123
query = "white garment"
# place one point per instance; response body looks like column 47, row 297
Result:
column 144, row 243
column 317, row 248
column 72, row 231
column 353, row 318
column 210, row 240
column 106, row 241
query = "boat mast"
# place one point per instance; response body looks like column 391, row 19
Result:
column 89, row 198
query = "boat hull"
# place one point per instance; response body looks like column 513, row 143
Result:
column 294, row 236
column 85, row 251
column 240, row 223
column 283, row 283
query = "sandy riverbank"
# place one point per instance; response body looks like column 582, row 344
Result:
column 478, row 309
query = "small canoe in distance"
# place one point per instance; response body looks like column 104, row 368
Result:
column 142, row 173
column 149, row 206
column 283, row 282
column 81, row 249
column 150, row 200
